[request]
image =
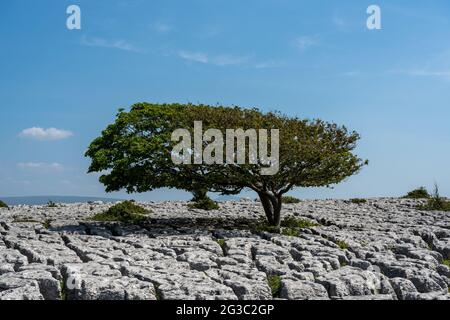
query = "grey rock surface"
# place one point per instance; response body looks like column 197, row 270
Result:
column 382, row 249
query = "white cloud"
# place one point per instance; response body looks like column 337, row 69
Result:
column 430, row 73
column 112, row 44
column 219, row 60
column 350, row 74
column 40, row 166
column 162, row 27
column 195, row 57
column 268, row 64
column 42, row 134
column 305, row 42
column 444, row 73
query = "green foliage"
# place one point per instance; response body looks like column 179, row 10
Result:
column 292, row 222
column 264, row 226
column 47, row 223
column 289, row 226
column 419, row 193
column 358, row 201
column 446, row 262
column 202, row 201
column 222, row 244
column 63, row 287
column 342, row 244
column 3, row 205
column 274, row 282
column 51, row 204
column 436, row 202
column 290, row 232
column 290, row 200
column 24, row 220
column 204, row 204
column 135, row 152
column 126, row 212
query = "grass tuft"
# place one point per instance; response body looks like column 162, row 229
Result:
column 342, row 244
column 436, row 202
column 274, row 282
column 291, row 222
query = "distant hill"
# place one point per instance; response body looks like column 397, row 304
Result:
column 40, row 200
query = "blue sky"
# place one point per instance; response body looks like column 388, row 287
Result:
column 314, row 59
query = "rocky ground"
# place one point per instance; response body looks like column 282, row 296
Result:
column 383, row 249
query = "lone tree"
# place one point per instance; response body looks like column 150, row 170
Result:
column 135, row 153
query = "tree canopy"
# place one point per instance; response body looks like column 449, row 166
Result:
column 135, row 153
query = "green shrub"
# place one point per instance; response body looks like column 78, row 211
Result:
column 24, row 220
column 263, row 226
column 290, row 232
column 47, row 224
column 292, row 222
column 419, row 193
column 3, row 205
column 289, row 200
column 436, row 202
column 221, row 243
column 358, row 201
column 289, row 226
column 204, row 204
column 275, row 285
column 446, row 262
column 51, row 204
column 342, row 244
column 126, row 212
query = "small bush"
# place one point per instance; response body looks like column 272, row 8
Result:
column 436, row 202
column 358, row 201
column 261, row 225
column 204, row 204
column 47, row 224
column 419, row 193
column 126, row 212
column 289, row 226
column 342, row 244
column 51, row 204
column 3, row 205
column 290, row 200
column 291, row 222
column 222, row 244
column 290, row 232
column 446, row 262
column 275, row 285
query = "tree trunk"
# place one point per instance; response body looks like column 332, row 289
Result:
column 199, row 194
column 272, row 207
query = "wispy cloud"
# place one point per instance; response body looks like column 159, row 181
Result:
column 111, row 44
column 430, row 73
column 40, row 166
column 350, row 74
column 338, row 21
column 49, row 134
column 303, row 43
column 194, row 56
column 444, row 73
column 162, row 27
column 218, row 60
column 268, row 64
